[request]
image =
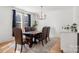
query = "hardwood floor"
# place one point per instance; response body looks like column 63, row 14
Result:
column 57, row 47
column 5, row 47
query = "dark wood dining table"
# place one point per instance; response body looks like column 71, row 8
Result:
column 32, row 34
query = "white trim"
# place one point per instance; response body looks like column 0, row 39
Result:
column 12, row 38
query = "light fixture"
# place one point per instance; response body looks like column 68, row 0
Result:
column 41, row 16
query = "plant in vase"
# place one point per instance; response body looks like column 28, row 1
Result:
column 68, row 27
column 34, row 25
column 74, row 27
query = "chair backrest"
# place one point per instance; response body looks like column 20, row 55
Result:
column 48, row 31
column 18, row 35
column 33, row 29
column 44, row 32
column 27, row 29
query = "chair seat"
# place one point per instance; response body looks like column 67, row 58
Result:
column 26, row 40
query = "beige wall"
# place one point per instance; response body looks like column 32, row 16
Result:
column 5, row 23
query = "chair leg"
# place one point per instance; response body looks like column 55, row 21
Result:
column 24, row 46
column 48, row 38
column 42, row 43
column 31, row 43
column 21, row 48
column 39, row 41
column 15, row 47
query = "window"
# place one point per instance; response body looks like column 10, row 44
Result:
column 21, row 20
column 25, row 21
column 18, row 20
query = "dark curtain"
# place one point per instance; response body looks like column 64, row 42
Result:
column 14, row 20
column 29, row 20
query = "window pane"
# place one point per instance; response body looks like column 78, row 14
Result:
column 18, row 20
column 25, row 21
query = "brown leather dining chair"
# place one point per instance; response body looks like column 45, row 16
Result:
column 42, row 36
column 19, row 38
column 27, row 29
column 48, row 32
column 45, row 33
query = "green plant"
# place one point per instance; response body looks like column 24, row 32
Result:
column 74, row 27
column 34, row 25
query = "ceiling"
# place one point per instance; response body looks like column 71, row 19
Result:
column 57, row 7
column 47, row 8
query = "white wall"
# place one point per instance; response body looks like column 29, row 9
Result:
column 77, row 15
column 5, row 23
column 56, row 17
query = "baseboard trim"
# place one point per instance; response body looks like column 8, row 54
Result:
column 12, row 38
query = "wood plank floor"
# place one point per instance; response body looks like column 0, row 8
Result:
column 5, row 47
column 57, row 47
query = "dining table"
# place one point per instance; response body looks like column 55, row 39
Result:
column 32, row 35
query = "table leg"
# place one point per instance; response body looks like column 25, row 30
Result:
column 31, row 42
column 35, row 41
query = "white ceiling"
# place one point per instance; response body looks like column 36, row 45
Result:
column 57, row 7
column 47, row 8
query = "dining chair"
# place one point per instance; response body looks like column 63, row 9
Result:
column 27, row 29
column 42, row 36
column 45, row 33
column 48, row 32
column 19, row 38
